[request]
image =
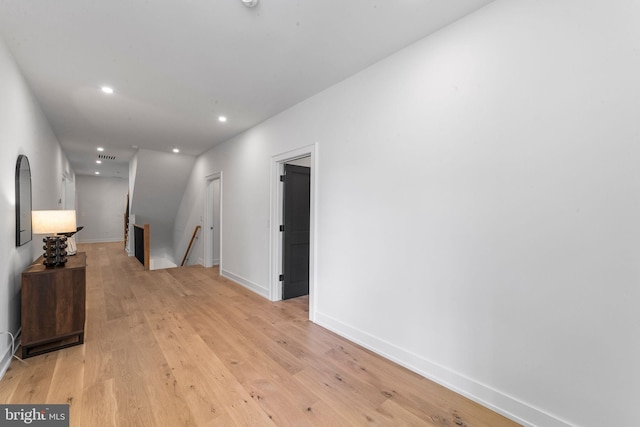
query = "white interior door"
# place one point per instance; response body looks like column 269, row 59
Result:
column 215, row 225
column 213, row 221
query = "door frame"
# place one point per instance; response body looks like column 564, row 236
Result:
column 208, row 219
column 276, row 191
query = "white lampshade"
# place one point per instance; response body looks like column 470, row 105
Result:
column 53, row 222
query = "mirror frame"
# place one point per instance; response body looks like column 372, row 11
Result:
column 23, row 201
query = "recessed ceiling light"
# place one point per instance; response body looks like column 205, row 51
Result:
column 222, row 119
column 99, row 162
column 107, row 89
column 97, row 173
column 250, row 3
column 100, row 149
column 175, row 150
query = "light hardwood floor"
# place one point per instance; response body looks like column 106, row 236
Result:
column 186, row 347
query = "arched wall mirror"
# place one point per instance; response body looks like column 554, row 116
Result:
column 23, row 201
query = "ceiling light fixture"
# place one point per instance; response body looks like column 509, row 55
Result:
column 100, row 149
column 97, row 173
column 222, row 119
column 175, row 150
column 250, row 3
column 99, row 162
column 106, row 89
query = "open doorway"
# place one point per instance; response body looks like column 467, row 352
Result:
column 305, row 156
column 296, row 187
column 213, row 221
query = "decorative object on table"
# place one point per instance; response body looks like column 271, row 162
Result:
column 71, row 241
column 54, row 222
column 23, row 200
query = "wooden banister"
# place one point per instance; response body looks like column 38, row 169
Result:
column 186, row 254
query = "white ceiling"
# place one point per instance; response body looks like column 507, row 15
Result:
column 176, row 65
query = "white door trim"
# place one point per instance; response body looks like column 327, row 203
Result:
column 208, row 219
column 277, row 169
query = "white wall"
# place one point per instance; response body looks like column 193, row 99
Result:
column 101, row 207
column 23, row 130
column 477, row 212
column 245, row 207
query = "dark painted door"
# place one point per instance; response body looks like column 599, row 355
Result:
column 295, row 260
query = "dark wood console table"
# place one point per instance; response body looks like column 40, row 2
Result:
column 53, row 306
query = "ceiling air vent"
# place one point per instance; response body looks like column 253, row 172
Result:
column 106, row 157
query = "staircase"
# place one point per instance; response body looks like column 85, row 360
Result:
column 157, row 183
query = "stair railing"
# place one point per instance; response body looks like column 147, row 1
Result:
column 193, row 237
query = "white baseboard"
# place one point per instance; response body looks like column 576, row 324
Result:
column 495, row 400
column 215, row 261
column 5, row 361
column 104, row 240
column 263, row 292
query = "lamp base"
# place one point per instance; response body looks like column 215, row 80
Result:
column 55, row 253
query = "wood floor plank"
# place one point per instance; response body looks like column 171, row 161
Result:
column 67, row 383
column 99, row 405
column 11, row 380
column 132, row 398
column 353, row 407
column 35, row 380
column 187, row 347
column 402, row 417
column 98, row 365
column 189, row 381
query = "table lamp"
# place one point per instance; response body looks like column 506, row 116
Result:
column 55, row 223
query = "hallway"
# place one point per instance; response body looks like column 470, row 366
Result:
column 186, row 347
